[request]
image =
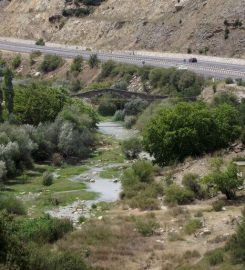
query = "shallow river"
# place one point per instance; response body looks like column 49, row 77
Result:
column 108, row 190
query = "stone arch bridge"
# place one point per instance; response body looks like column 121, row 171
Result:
column 117, row 92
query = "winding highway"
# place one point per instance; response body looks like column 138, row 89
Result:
column 217, row 68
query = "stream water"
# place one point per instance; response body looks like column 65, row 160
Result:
column 108, row 190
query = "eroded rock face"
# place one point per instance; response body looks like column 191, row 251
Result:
column 126, row 24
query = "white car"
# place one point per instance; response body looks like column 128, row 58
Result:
column 182, row 67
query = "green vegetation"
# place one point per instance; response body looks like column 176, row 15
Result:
column 16, row 61
column 139, row 188
column 48, row 179
column 38, row 103
column 40, row 42
column 190, row 129
column 146, row 226
column 93, row 61
column 164, row 81
column 192, row 226
column 177, row 194
column 76, row 65
column 132, row 147
column 23, row 244
column 51, row 63
column 226, row 181
column 11, row 204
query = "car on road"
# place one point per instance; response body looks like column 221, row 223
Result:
column 193, row 60
column 182, row 67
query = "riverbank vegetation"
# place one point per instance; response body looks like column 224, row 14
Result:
column 175, row 201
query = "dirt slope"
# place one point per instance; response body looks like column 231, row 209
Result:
column 140, row 24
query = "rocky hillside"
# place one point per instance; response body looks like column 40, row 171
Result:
column 214, row 26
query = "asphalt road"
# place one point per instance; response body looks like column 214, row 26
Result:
column 208, row 68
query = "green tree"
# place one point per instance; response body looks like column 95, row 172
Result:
column 226, row 181
column 190, row 129
column 38, row 103
column 8, row 90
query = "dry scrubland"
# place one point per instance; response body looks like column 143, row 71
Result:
column 150, row 25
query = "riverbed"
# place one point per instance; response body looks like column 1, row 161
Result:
column 107, row 189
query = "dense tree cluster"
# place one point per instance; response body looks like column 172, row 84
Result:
column 191, row 129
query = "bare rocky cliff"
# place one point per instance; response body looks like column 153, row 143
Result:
column 214, row 26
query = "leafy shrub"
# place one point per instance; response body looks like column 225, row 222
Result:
column 11, row 205
column 51, row 63
column 192, row 226
column 146, row 226
column 16, row 149
column 177, row 194
column 45, row 229
column 229, row 81
column 132, row 147
column 225, row 181
column 121, row 85
column 76, row 65
column 93, row 61
column 40, row 42
column 135, row 106
column 227, row 98
column 130, row 121
column 144, row 203
column 57, row 159
column 191, row 181
column 215, row 257
column 119, row 115
column 48, row 179
column 16, row 61
column 139, row 188
column 218, row 206
column 82, row 219
column 76, row 12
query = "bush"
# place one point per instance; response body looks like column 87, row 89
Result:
column 45, row 229
column 225, row 181
column 192, row 226
column 11, row 205
column 218, row 206
column 16, row 61
column 119, row 115
column 135, row 106
column 51, row 63
column 132, row 147
column 236, row 244
column 40, row 42
column 139, row 187
column 229, row 81
column 130, row 121
column 177, row 194
column 48, row 179
column 76, row 65
column 93, row 61
column 215, row 257
column 146, row 226
column 191, row 181
column 225, row 97
column 57, row 159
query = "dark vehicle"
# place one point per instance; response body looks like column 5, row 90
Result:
column 192, row 60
